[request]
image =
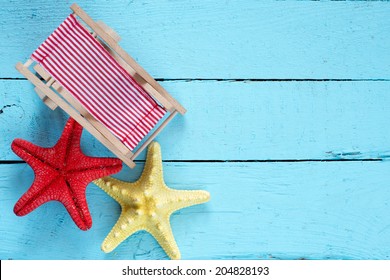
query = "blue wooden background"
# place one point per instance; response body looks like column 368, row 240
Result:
column 287, row 128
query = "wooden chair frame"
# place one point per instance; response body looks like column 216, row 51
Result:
column 53, row 94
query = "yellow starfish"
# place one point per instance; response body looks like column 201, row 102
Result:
column 147, row 204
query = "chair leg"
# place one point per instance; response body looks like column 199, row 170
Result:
column 49, row 81
column 48, row 102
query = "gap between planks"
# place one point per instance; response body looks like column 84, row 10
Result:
column 236, row 161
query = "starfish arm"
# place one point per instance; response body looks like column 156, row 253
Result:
column 147, row 205
column 162, row 232
column 79, row 213
column 62, row 173
column 74, row 200
column 126, row 226
column 117, row 189
column 58, row 190
column 35, row 196
column 178, row 199
column 69, row 142
column 153, row 165
column 91, row 168
column 30, row 153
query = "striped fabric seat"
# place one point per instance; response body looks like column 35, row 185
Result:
column 85, row 68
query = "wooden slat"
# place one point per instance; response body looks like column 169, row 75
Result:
column 71, row 112
column 49, row 81
column 48, row 102
column 69, row 98
column 28, row 62
column 126, row 57
column 211, row 40
column 42, row 72
column 309, row 210
column 289, row 120
column 52, row 105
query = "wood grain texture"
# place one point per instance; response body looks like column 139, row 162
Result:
column 257, row 211
column 237, row 120
column 222, row 39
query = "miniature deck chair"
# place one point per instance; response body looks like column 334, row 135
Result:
column 88, row 75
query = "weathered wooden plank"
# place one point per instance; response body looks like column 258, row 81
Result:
column 257, row 211
column 222, row 39
column 235, row 121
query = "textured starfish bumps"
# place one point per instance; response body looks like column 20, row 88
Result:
column 147, row 204
column 62, row 173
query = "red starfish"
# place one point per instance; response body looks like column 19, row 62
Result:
column 62, row 173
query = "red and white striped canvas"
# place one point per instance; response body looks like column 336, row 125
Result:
column 82, row 66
